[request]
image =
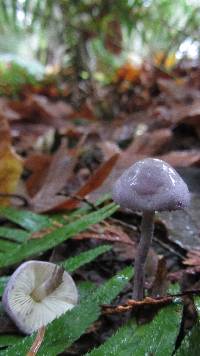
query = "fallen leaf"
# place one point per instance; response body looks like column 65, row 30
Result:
column 147, row 145
column 10, row 163
column 192, row 258
column 106, row 232
column 38, row 165
column 128, row 72
column 160, row 283
column 183, row 226
column 93, row 183
column 40, row 109
column 182, row 158
column 59, row 172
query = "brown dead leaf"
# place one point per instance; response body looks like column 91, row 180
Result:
column 93, row 183
column 182, row 158
column 38, row 164
column 108, row 148
column 60, row 170
column 37, row 343
column 40, row 109
column 193, row 258
column 106, row 232
column 189, row 114
column 160, row 283
column 6, row 112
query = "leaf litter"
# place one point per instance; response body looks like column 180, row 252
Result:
column 72, row 155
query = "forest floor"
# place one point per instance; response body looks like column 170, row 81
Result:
column 74, row 141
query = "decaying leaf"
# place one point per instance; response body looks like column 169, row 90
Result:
column 183, row 226
column 107, row 232
column 182, row 158
column 59, row 171
column 38, row 164
column 10, row 163
column 94, row 182
column 193, row 258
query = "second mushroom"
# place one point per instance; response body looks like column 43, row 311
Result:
column 149, row 185
column 37, row 293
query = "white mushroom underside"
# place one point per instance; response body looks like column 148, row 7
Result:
column 30, row 315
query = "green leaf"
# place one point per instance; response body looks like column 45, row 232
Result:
column 155, row 338
column 37, row 246
column 7, row 246
column 85, row 288
column 18, row 235
column 62, row 332
column 26, row 219
column 3, row 281
column 73, row 263
column 174, row 288
column 8, row 340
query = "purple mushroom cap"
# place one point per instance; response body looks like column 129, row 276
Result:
column 151, row 184
column 28, row 314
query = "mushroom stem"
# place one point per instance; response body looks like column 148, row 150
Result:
column 147, row 228
column 48, row 286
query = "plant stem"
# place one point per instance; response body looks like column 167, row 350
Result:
column 48, row 286
column 147, row 228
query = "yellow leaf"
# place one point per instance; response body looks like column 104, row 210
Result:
column 168, row 61
column 10, row 171
column 11, row 164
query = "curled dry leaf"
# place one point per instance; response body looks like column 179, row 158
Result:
column 182, row 158
column 193, row 258
column 107, row 232
column 37, row 343
column 10, row 163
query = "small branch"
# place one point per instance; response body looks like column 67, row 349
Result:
column 37, row 342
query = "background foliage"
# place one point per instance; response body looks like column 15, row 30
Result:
column 90, row 34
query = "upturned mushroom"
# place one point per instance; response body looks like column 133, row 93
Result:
column 37, row 293
column 149, row 185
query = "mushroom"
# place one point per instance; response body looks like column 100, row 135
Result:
column 37, row 293
column 149, row 185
